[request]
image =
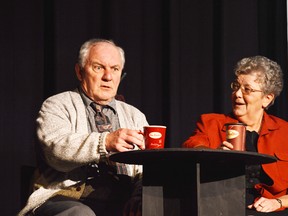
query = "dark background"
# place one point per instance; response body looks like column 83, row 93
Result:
column 180, row 56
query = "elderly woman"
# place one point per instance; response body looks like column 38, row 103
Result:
column 258, row 82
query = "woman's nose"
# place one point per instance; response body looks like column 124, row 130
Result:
column 238, row 93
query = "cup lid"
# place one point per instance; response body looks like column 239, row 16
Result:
column 161, row 126
column 235, row 123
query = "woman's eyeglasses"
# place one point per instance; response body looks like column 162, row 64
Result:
column 235, row 86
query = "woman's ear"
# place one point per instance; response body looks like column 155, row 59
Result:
column 267, row 100
column 78, row 72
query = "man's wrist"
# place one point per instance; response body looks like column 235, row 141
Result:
column 102, row 145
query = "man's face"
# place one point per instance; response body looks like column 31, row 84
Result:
column 101, row 74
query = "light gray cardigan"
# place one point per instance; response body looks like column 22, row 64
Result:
column 62, row 129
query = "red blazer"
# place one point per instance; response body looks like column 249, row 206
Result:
column 273, row 140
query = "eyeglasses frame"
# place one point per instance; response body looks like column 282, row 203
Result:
column 243, row 88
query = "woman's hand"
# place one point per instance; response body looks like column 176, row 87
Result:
column 265, row 205
column 226, row 146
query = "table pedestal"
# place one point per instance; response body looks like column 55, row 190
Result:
column 193, row 189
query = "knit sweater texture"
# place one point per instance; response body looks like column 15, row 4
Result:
column 67, row 146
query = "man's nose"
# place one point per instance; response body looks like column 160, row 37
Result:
column 107, row 74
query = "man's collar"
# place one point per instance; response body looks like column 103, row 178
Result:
column 87, row 100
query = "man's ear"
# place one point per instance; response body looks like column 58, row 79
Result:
column 78, row 72
column 268, row 100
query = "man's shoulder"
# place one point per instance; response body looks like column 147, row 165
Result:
column 65, row 100
column 64, row 96
column 127, row 108
column 125, row 105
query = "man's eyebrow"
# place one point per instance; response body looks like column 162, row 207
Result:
column 98, row 63
column 95, row 62
column 117, row 65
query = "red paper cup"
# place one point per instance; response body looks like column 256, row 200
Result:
column 236, row 135
column 154, row 136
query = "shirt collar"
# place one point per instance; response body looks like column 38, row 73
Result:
column 87, row 101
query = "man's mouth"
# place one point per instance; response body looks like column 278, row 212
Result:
column 105, row 87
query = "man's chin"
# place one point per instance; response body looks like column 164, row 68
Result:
column 104, row 100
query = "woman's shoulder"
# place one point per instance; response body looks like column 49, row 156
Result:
column 277, row 120
column 218, row 117
column 213, row 115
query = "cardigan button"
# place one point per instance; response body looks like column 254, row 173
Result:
column 78, row 188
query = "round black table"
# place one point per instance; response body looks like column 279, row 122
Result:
column 198, row 182
column 190, row 154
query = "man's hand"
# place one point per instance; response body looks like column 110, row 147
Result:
column 124, row 140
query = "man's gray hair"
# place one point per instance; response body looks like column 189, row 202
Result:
column 85, row 48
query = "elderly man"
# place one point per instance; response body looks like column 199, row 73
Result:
column 77, row 131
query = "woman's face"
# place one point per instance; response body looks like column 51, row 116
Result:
column 248, row 106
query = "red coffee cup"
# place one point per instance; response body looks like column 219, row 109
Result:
column 236, row 135
column 154, row 136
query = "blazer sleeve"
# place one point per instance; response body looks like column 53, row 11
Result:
column 209, row 132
